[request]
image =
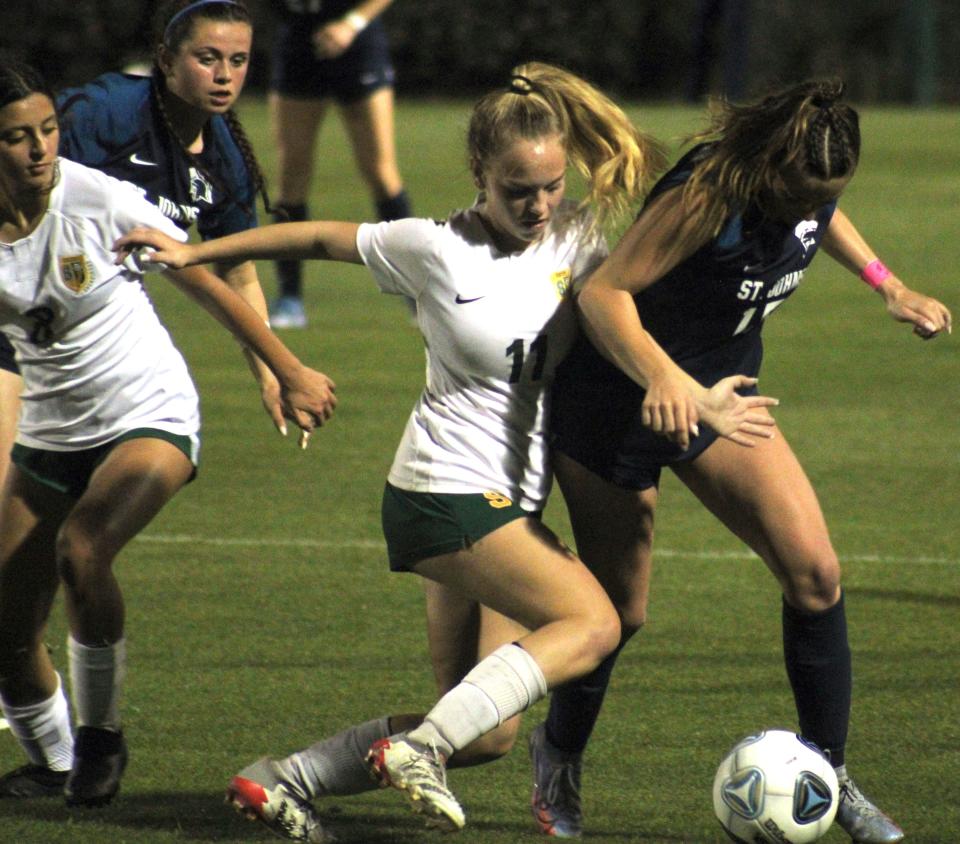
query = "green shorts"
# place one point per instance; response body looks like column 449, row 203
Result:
column 418, row 525
column 69, row 471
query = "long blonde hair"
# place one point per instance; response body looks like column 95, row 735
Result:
column 805, row 126
column 615, row 158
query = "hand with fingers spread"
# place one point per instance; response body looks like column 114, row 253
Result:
column 741, row 419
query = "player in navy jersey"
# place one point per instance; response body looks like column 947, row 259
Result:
column 723, row 239
column 175, row 136
column 327, row 50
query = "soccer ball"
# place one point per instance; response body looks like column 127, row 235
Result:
column 775, row 788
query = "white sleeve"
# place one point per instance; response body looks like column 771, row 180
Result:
column 400, row 253
column 132, row 209
column 589, row 256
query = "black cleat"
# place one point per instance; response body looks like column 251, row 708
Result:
column 33, row 781
column 99, row 757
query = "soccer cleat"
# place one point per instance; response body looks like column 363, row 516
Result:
column 288, row 312
column 419, row 772
column 99, row 759
column 261, row 792
column 33, row 781
column 860, row 819
column 555, row 802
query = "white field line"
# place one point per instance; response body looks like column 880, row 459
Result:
column 222, row 542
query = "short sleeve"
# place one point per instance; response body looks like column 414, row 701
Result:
column 401, row 253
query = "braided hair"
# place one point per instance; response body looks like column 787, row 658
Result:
column 806, row 127
column 173, row 23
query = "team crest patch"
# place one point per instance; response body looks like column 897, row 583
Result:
column 561, row 282
column 200, row 188
column 76, row 273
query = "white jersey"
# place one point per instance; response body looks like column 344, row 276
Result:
column 496, row 325
column 94, row 357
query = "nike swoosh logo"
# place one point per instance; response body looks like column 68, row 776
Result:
column 461, row 301
column 136, row 159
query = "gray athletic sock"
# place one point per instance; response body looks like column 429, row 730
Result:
column 336, row 765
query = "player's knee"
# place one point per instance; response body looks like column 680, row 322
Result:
column 603, row 631
column 78, row 556
column 633, row 617
column 814, row 586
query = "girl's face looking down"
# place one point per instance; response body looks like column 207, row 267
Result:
column 29, row 137
column 523, row 185
column 209, row 68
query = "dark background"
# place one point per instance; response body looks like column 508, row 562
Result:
column 897, row 51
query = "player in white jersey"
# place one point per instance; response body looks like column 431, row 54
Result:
column 108, row 433
column 511, row 612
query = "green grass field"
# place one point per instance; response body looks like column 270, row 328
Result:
column 261, row 615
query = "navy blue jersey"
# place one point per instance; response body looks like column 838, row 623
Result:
column 114, row 125
column 707, row 313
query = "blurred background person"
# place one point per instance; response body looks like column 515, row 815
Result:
column 331, row 49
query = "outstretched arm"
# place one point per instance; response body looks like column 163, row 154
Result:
column 242, row 277
column 657, row 241
column 846, row 245
column 307, row 395
column 322, row 240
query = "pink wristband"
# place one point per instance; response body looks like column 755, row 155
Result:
column 874, row 273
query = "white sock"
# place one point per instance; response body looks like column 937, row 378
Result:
column 500, row 686
column 43, row 730
column 337, row 765
column 96, row 679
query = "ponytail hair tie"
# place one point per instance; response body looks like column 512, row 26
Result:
column 522, row 85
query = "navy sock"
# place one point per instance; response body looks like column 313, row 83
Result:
column 575, row 707
column 817, row 656
column 290, row 272
column 395, row 208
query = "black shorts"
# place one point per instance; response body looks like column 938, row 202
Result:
column 7, row 359
column 420, row 525
column 597, row 421
column 364, row 68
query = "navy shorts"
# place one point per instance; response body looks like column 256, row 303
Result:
column 420, row 525
column 597, row 421
column 364, row 68
column 7, row 359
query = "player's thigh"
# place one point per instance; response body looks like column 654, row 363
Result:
column 370, row 125
column 29, row 516
column 295, row 122
column 764, row 497
column 522, row 571
column 132, row 484
column 613, row 530
column 10, row 385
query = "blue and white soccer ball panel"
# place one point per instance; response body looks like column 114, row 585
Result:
column 775, row 787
